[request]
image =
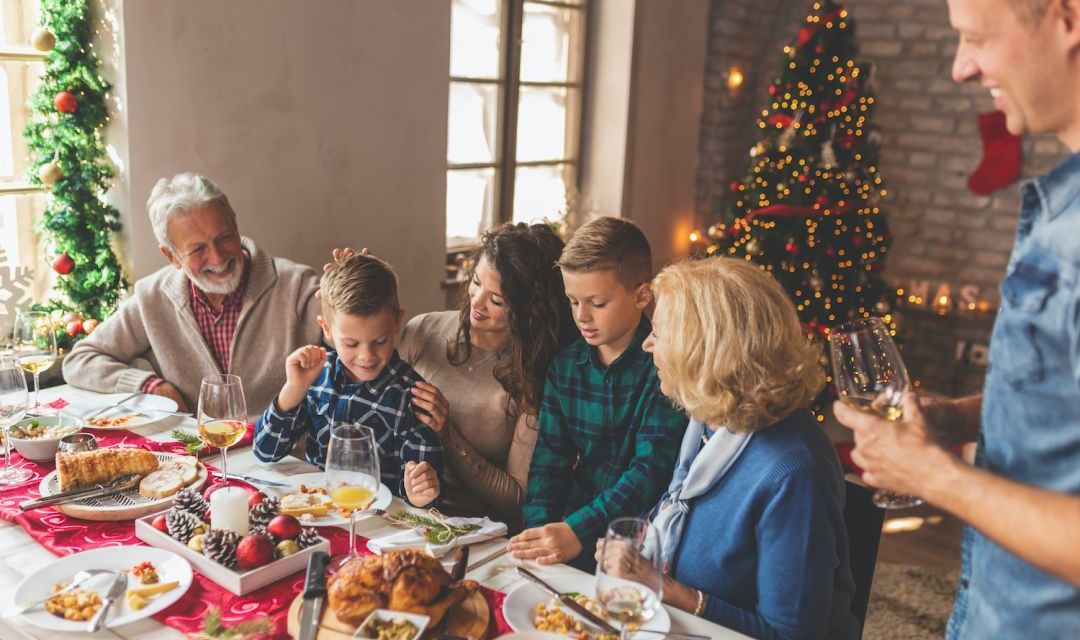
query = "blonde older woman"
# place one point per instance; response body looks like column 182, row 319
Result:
column 752, row 524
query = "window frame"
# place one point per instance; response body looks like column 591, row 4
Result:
column 509, row 86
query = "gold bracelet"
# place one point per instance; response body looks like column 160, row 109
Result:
column 702, row 600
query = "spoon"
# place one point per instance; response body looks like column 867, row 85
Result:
column 15, row 427
column 78, row 579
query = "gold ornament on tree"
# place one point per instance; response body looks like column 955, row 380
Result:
column 50, row 172
column 43, row 39
column 753, row 247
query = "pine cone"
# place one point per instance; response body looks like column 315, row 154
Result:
column 220, row 546
column 182, row 525
column 191, row 501
column 262, row 513
column 261, row 529
column 308, row 537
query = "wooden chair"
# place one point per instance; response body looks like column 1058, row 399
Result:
column 863, row 520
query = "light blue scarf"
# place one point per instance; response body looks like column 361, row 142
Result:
column 698, row 471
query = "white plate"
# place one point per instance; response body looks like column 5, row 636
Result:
column 37, row 585
column 141, row 402
column 382, row 498
column 520, row 603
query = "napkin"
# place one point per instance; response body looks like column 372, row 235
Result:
column 414, row 539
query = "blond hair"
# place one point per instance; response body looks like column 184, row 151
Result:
column 735, row 352
column 609, row 244
column 359, row 285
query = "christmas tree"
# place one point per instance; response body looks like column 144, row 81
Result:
column 66, row 138
column 808, row 210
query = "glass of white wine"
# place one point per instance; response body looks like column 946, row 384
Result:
column 34, row 345
column 352, row 475
column 629, row 584
column 870, row 376
column 222, row 415
column 13, row 399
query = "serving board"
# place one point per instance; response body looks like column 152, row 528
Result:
column 469, row 619
column 125, row 505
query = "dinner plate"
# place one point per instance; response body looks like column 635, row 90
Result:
column 169, row 566
column 382, row 498
column 142, row 402
column 520, row 603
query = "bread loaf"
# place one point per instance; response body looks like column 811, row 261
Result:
column 75, row 470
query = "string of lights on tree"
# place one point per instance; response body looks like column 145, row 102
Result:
column 68, row 157
column 808, row 210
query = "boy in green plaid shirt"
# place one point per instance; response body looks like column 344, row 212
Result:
column 608, row 438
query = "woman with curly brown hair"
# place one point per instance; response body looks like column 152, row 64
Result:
column 484, row 367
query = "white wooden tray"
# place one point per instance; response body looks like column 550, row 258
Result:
column 238, row 582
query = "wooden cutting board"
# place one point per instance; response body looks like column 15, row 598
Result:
column 468, row 620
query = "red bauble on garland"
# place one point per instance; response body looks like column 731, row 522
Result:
column 791, row 247
column 63, row 264
column 65, row 102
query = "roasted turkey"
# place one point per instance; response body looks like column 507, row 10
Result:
column 407, row 580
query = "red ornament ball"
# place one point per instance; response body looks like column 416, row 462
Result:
column 822, row 201
column 734, row 185
column 256, row 498
column 830, row 251
column 735, row 229
column 74, row 328
column 773, row 89
column 63, row 264
column 791, row 247
column 65, row 102
column 803, row 177
column 820, row 49
column 284, row 527
column 160, row 524
column 254, row 551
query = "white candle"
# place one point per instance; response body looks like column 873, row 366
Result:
column 229, row 509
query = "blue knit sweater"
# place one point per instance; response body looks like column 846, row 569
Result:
column 768, row 542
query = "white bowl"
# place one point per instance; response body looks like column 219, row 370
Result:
column 419, row 621
column 43, row 449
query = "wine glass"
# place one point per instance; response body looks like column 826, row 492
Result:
column 34, row 345
column 13, row 399
column 629, row 583
column 870, row 376
column 222, row 415
column 352, row 475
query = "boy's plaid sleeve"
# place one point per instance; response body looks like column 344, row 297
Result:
column 276, row 430
column 656, row 447
column 551, row 472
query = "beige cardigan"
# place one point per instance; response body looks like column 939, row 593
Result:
column 154, row 332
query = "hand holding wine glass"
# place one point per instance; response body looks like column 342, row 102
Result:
column 629, row 584
column 870, row 376
column 352, row 476
column 34, row 345
column 13, row 401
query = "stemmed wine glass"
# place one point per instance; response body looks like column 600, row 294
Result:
column 870, row 376
column 629, row 584
column 222, row 415
column 13, row 399
column 34, row 345
column 352, row 475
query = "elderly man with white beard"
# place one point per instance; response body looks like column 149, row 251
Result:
column 223, row 306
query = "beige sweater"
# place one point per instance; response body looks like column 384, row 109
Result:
column 154, row 332
column 487, row 451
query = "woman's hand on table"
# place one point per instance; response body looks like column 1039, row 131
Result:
column 433, row 407
column 421, row 483
column 166, row 390
column 550, row 544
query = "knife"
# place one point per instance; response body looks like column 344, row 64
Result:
column 123, row 483
column 119, row 586
column 569, row 602
column 314, row 594
column 461, row 566
column 260, row 481
column 111, row 406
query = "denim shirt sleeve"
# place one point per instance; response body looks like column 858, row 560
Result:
column 277, row 431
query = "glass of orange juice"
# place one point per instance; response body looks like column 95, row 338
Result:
column 352, row 475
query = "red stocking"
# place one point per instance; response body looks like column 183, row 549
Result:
column 1001, row 155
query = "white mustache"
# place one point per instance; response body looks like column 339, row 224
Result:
column 222, row 269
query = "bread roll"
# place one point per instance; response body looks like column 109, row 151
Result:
column 75, row 470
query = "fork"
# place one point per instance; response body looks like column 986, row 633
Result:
column 76, row 580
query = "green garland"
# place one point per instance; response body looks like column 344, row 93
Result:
column 434, row 527
column 66, row 139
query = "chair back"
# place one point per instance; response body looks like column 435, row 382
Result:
column 863, row 520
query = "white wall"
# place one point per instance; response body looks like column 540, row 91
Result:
column 324, row 122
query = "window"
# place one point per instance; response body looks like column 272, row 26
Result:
column 515, row 112
column 21, row 204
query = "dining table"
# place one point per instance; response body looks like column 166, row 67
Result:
column 21, row 555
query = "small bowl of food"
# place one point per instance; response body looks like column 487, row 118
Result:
column 37, row 438
column 384, row 624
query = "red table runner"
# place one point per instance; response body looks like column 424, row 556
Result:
column 64, row 536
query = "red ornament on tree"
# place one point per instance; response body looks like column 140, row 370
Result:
column 773, row 89
column 820, row 49
column 65, row 102
column 734, row 185
column 791, row 247
column 803, row 177
column 63, row 264
column 735, row 228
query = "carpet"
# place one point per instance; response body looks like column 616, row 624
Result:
column 910, row 602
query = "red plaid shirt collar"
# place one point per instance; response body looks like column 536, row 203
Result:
column 218, row 328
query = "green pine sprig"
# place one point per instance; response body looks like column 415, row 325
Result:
column 191, row 441
column 433, row 527
column 214, row 628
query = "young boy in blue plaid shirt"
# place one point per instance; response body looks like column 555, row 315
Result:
column 361, row 379
column 608, row 438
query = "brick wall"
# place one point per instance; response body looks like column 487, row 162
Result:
column 942, row 232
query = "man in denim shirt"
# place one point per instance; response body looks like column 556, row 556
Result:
column 1021, row 558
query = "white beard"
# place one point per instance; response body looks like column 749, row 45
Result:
column 218, row 287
